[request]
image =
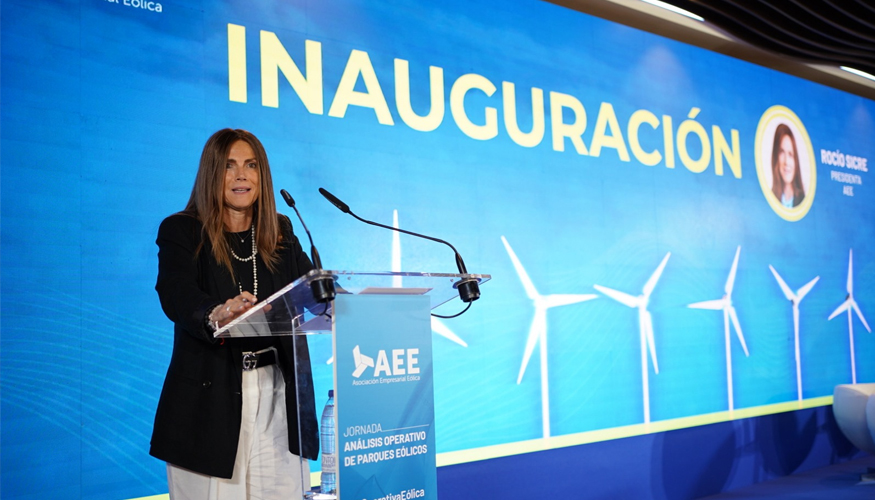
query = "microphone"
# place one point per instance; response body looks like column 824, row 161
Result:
column 469, row 288
column 322, row 288
column 337, row 203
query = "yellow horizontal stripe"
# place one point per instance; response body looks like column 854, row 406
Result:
column 520, row 447
column 533, row 445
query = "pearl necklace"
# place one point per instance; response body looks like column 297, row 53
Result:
column 254, row 266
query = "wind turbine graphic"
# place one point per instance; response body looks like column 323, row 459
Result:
column 848, row 305
column 538, row 329
column 437, row 326
column 729, row 314
column 645, row 326
column 795, row 298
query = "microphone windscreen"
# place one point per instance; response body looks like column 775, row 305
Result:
column 286, row 196
column 335, row 201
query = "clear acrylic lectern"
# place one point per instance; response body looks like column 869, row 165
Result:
column 381, row 337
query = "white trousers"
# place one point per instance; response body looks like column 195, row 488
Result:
column 264, row 468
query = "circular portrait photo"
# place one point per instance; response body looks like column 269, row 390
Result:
column 785, row 163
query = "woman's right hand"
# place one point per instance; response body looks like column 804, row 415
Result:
column 232, row 309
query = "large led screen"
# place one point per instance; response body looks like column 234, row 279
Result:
column 674, row 236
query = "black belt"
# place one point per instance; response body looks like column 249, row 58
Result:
column 253, row 360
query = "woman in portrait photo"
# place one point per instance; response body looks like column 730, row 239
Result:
column 786, row 174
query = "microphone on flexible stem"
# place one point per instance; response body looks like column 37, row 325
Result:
column 323, row 288
column 469, row 288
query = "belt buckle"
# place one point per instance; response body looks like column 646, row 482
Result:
column 250, row 361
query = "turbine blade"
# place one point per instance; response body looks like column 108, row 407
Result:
column 651, row 283
column 842, row 308
column 715, row 305
column 802, row 292
column 531, row 292
column 396, row 251
column 538, row 323
column 444, row 331
column 330, row 360
column 734, row 318
column 564, row 300
column 851, row 272
column 647, row 324
column 621, row 297
column 730, row 281
column 860, row 314
column 784, row 288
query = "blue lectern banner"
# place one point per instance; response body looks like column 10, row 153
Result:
column 384, row 397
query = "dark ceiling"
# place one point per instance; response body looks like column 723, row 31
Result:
column 833, row 32
column 806, row 38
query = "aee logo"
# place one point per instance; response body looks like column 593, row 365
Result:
column 404, row 362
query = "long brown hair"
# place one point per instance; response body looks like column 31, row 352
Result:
column 777, row 180
column 207, row 201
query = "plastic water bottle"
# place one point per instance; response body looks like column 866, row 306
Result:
column 329, row 447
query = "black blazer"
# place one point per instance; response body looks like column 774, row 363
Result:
column 197, row 423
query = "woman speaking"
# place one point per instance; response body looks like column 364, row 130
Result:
column 227, row 419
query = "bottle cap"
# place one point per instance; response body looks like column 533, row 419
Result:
column 330, row 393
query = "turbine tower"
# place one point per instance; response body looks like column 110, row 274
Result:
column 795, row 298
column 538, row 329
column 645, row 326
column 848, row 305
column 729, row 314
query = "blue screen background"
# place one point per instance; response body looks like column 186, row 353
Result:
column 105, row 109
